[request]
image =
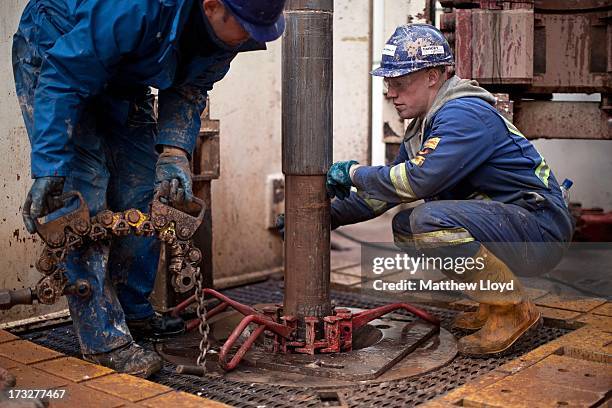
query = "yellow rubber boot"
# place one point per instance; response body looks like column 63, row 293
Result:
column 510, row 314
column 472, row 320
column 505, row 325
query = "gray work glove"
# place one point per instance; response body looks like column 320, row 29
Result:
column 43, row 198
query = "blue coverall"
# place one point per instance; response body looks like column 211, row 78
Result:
column 83, row 69
column 483, row 182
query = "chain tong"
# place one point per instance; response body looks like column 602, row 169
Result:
column 75, row 229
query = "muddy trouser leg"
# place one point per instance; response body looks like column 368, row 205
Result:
column 98, row 320
column 458, row 228
column 133, row 260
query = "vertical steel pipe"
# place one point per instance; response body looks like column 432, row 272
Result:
column 307, row 154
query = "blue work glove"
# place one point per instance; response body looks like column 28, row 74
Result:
column 43, row 198
column 173, row 176
column 339, row 181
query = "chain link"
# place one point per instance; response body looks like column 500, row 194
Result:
column 53, row 256
column 203, row 326
column 76, row 229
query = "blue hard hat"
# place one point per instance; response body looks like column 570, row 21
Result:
column 413, row 47
column 262, row 19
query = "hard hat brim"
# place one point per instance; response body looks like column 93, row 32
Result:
column 263, row 33
column 390, row 73
column 397, row 72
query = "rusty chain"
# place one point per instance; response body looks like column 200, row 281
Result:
column 203, row 326
column 76, row 228
column 73, row 230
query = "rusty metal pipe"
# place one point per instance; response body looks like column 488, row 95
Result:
column 307, row 258
column 362, row 318
column 307, row 154
column 10, row 298
column 244, row 309
column 307, row 87
column 244, row 347
column 264, row 322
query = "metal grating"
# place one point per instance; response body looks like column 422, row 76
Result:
column 401, row 393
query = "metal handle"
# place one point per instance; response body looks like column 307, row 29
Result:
column 185, row 223
column 53, row 232
column 364, row 317
column 235, row 360
column 194, row 200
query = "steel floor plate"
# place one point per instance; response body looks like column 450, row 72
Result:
column 400, row 393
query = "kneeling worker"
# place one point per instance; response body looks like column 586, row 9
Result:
column 484, row 184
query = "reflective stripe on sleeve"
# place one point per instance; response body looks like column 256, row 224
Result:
column 543, row 172
column 399, row 179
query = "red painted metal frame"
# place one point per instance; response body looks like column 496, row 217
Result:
column 592, row 224
column 336, row 336
column 362, row 318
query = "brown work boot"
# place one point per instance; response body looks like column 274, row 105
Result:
column 472, row 320
column 505, row 325
column 129, row 359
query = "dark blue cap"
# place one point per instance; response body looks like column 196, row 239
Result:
column 262, row 19
column 567, row 184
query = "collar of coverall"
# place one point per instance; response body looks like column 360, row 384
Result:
column 453, row 88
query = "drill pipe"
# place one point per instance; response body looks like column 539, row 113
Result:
column 307, row 262
column 307, row 154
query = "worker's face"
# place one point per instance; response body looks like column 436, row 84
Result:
column 413, row 94
column 225, row 25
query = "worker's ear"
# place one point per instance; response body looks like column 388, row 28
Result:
column 212, row 7
column 433, row 76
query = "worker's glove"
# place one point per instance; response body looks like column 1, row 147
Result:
column 43, row 198
column 339, row 181
column 173, row 176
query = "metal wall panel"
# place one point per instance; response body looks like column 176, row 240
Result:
column 18, row 249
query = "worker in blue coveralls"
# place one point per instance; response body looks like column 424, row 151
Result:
column 83, row 69
column 484, row 184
